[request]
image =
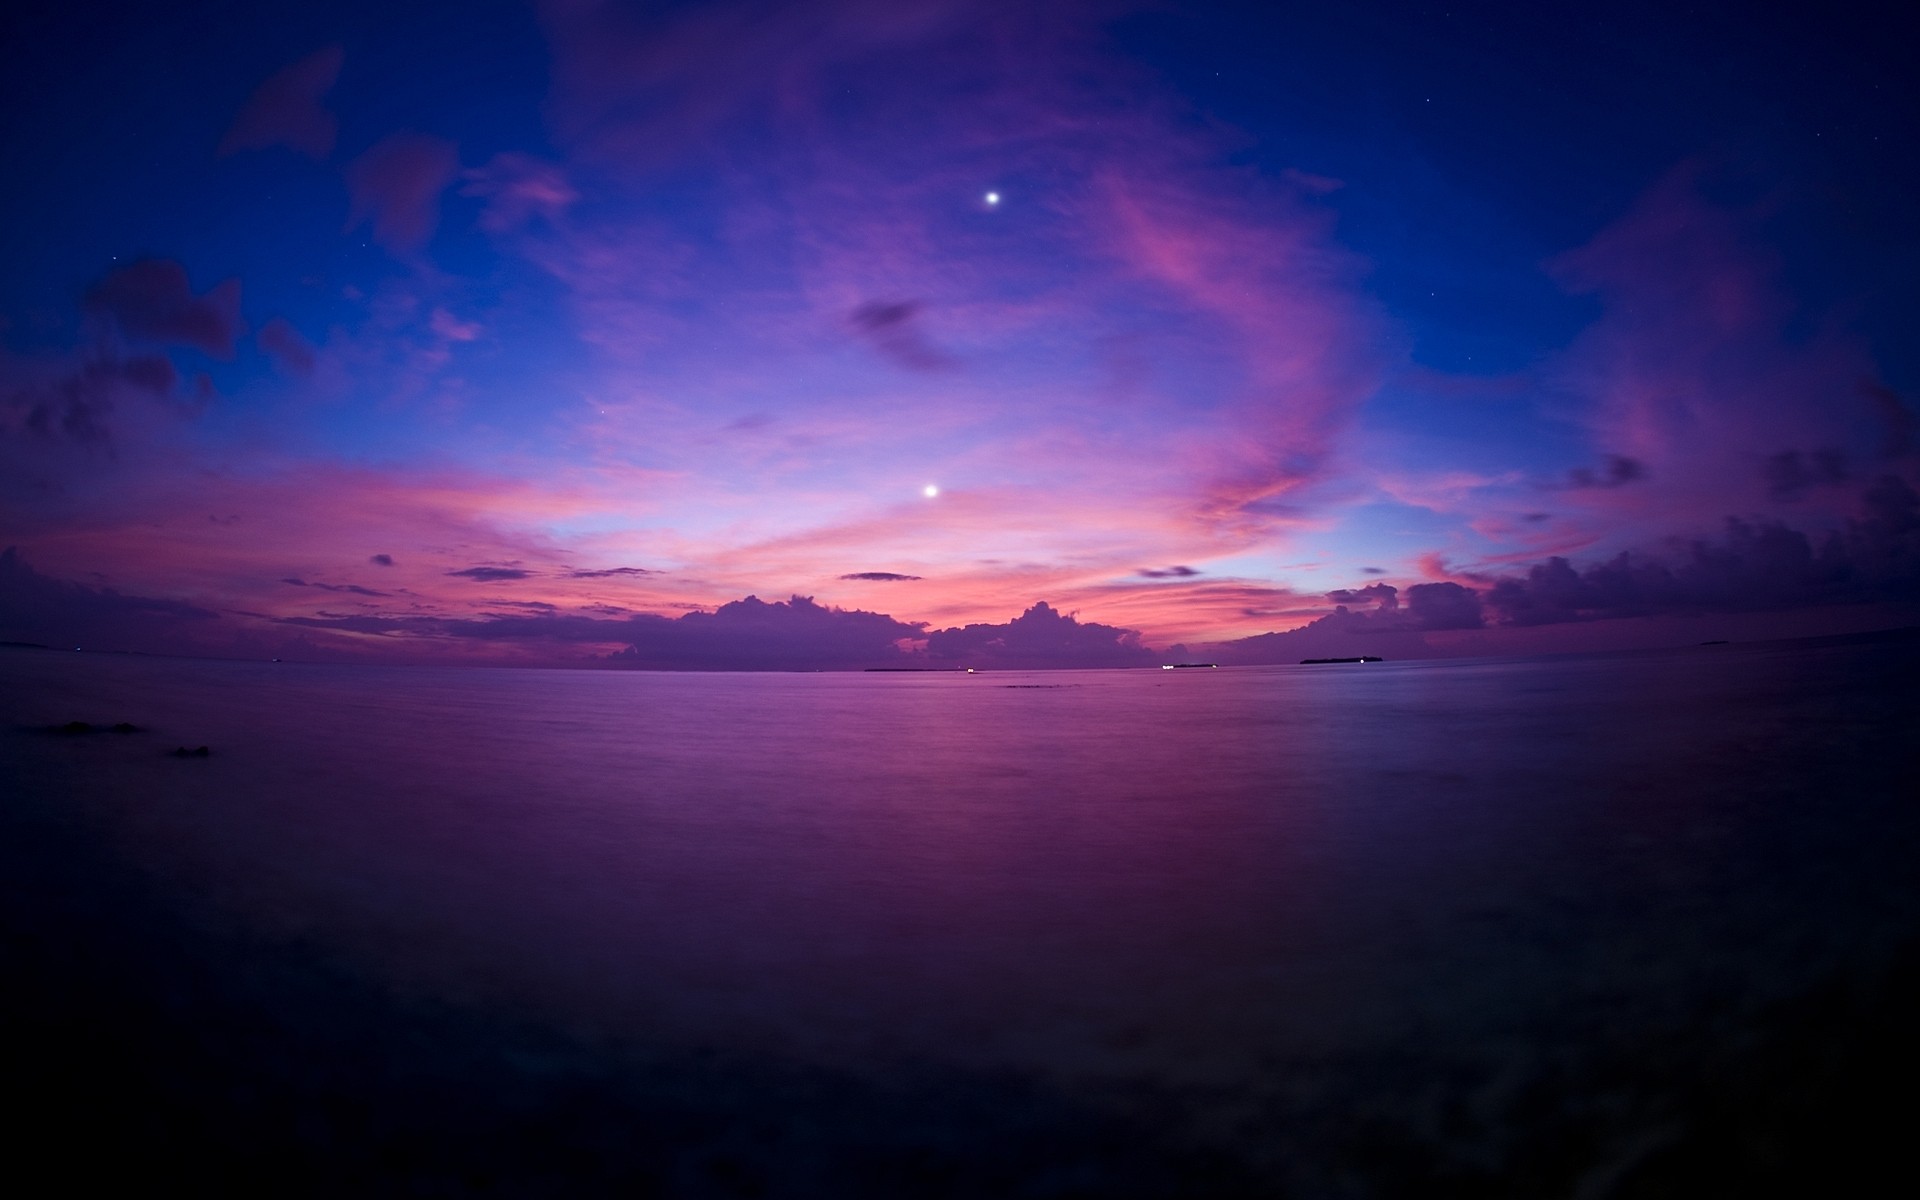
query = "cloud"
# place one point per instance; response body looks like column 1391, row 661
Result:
column 882, row 577
column 1444, row 606
column 396, row 186
column 74, row 406
column 381, row 560
column 1701, row 365
column 1384, row 595
column 1897, row 420
column 517, row 189
column 1753, row 565
column 452, row 329
column 36, row 608
column 285, row 110
column 1617, row 470
column 1039, row 637
column 645, row 86
column 1271, row 286
column 151, row 300
column 1167, row 572
column 745, row 635
column 611, row 573
column 894, row 328
column 1390, row 629
column 292, row 352
column 492, row 574
column 751, row 634
column 356, row 589
column 1790, row 474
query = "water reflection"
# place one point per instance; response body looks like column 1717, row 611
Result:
column 1214, row 896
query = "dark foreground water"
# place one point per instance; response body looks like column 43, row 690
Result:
column 1640, row 925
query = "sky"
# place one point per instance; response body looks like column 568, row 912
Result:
column 940, row 332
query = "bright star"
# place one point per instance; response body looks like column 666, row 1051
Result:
column 930, row 491
column 993, row 198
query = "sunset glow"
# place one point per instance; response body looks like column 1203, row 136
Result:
column 505, row 338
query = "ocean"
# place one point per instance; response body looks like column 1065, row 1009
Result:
column 1618, row 925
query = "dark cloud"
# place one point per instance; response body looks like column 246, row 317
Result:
column 1444, row 606
column 285, row 110
column 893, row 328
column 1790, row 474
column 1168, row 572
column 1373, row 570
column 745, row 635
column 610, row 573
column 1390, row 628
column 75, row 406
column 151, row 300
column 751, row 634
column 492, row 574
column 55, row 612
column 750, row 423
column 354, row 588
column 381, row 560
column 1386, row 596
column 882, row 577
column 283, row 342
column 1617, row 470
column 1752, row 566
column 876, row 315
column 1040, row 637
column 396, row 185
column 1896, row 419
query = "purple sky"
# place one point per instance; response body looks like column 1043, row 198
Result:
column 954, row 333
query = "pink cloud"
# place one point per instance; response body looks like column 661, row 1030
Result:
column 396, row 184
column 451, row 328
column 286, row 111
column 518, row 188
column 151, row 300
column 1287, row 298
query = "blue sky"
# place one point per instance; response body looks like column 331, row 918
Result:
column 1295, row 298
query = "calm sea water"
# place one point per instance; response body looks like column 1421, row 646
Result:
column 1344, row 930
